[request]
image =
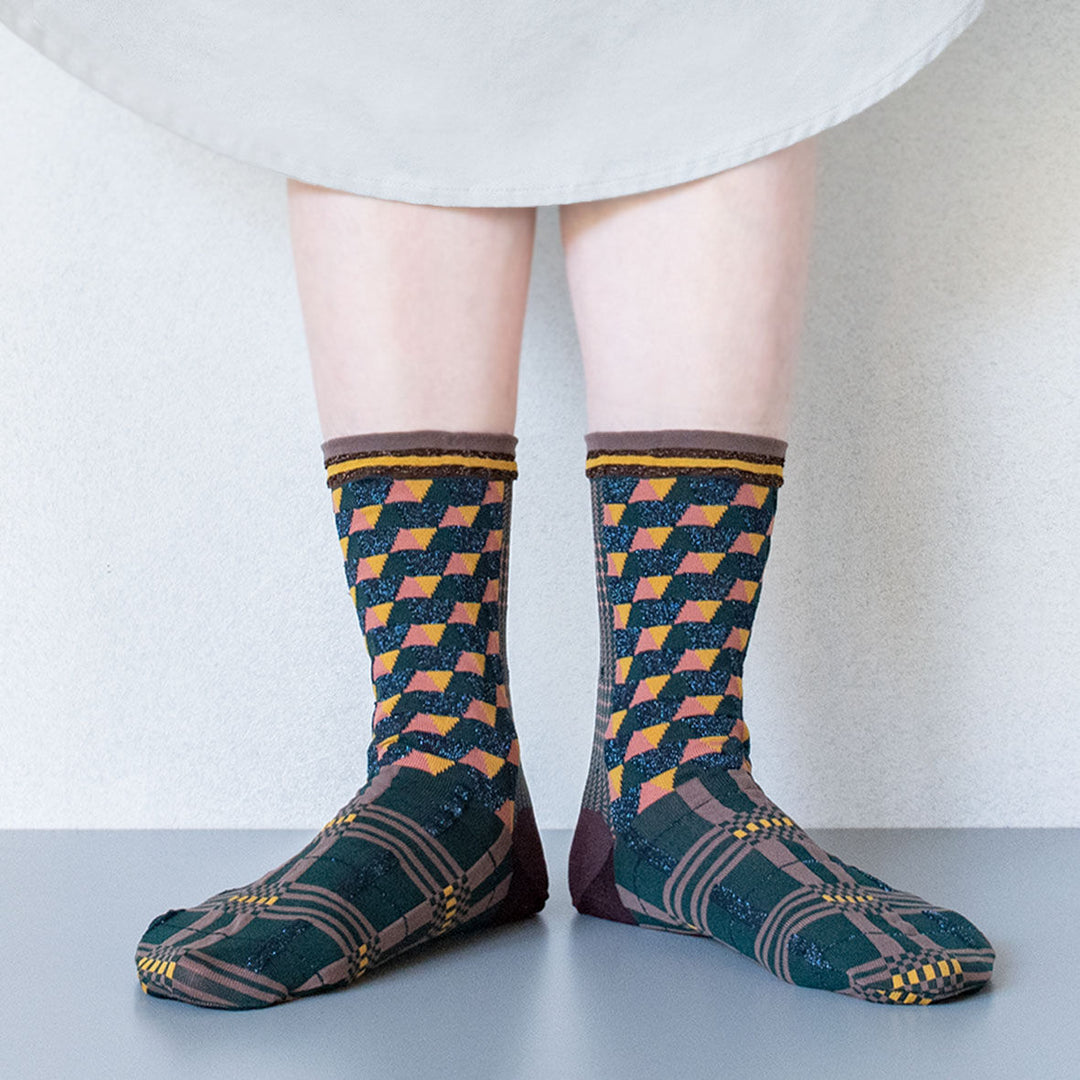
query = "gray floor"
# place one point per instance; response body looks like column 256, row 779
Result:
column 562, row 995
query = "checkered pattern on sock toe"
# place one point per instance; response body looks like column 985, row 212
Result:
column 914, row 980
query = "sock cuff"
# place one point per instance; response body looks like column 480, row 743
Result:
column 419, row 453
column 758, row 458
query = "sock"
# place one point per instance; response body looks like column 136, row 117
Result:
column 674, row 832
column 441, row 837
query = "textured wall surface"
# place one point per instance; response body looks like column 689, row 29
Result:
column 178, row 645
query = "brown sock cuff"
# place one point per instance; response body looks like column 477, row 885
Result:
column 418, row 454
column 758, row 458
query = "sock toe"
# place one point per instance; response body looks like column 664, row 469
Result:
column 945, row 956
column 216, row 956
column 199, row 978
column 932, row 977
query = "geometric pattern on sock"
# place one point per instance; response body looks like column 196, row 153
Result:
column 674, row 831
column 423, row 562
column 441, row 838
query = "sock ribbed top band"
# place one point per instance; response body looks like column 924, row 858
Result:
column 685, row 438
column 419, row 453
column 758, row 459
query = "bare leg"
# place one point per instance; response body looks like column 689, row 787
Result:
column 413, row 313
column 689, row 299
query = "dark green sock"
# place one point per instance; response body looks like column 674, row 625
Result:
column 441, row 838
column 674, row 832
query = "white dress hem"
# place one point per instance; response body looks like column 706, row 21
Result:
column 201, row 128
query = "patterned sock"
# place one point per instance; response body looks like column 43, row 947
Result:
column 441, row 838
column 674, row 833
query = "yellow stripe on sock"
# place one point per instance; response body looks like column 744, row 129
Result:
column 685, row 462
column 422, row 461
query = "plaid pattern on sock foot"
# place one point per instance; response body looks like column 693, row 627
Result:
column 441, row 838
column 674, row 832
column 716, row 857
column 410, row 858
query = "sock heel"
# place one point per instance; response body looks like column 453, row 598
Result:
column 592, row 870
column 529, row 878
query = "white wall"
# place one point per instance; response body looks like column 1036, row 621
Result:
column 178, row 645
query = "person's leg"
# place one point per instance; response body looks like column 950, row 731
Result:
column 689, row 305
column 688, row 300
column 413, row 316
column 413, row 313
